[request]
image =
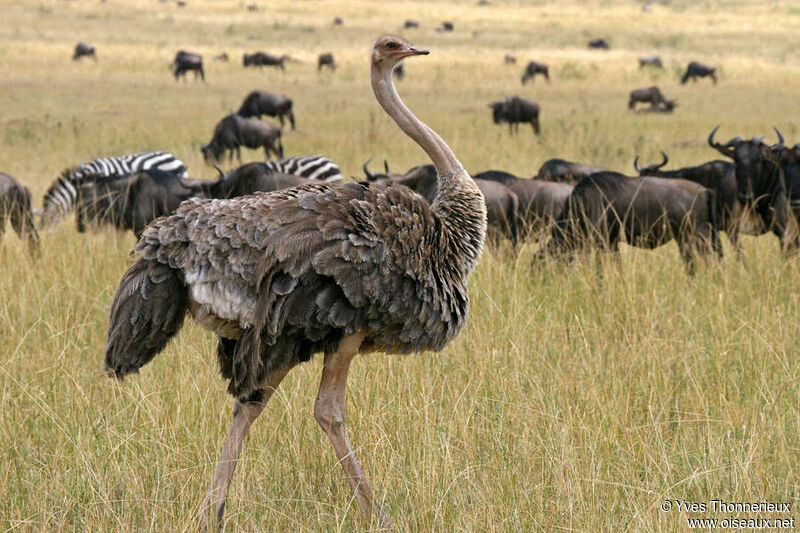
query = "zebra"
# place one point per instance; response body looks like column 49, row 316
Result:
column 60, row 198
column 315, row 167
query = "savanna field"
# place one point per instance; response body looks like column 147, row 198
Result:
column 573, row 400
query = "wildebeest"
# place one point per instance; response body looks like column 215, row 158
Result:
column 607, row 207
column 276, row 105
column 235, row 131
column 650, row 60
column 326, row 60
column 534, row 68
column 221, row 57
column 761, row 187
column 560, row 170
column 262, row 59
column 502, row 204
column 131, row 203
column 185, row 61
column 510, row 59
column 250, row 178
column 599, row 43
column 717, row 175
column 695, row 70
column 408, row 24
column 789, row 159
column 649, row 95
column 84, row 50
column 515, row 110
column 337, row 21
column 665, row 106
column 445, row 27
column 15, row 206
column 400, row 71
column 540, row 202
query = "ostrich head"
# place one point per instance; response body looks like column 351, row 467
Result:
column 389, row 50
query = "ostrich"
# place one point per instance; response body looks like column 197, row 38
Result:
column 340, row 268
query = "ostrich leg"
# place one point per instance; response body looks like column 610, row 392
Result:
column 244, row 413
column 329, row 411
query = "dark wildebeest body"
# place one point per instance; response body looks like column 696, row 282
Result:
column 650, row 60
column 515, row 110
column 84, row 50
column 15, row 206
column 509, row 59
column 262, row 59
column 607, row 207
column 408, row 24
column 185, row 61
column 445, row 27
column 646, row 95
column 259, row 103
column 696, row 70
column 234, row 131
column 131, row 203
column 540, row 202
column 249, row 179
column 789, row 159
column 534, row 68
column 761, row 187
column 720, row 177
column 560, row 170
column 599, row 43
column 502, row 204
column 326, row 60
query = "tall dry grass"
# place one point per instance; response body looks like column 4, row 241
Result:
column 571, row 401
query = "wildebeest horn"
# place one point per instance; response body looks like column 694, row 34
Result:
column 221, row 173
column 666, row 159
column 780, row 135
column 636, row 164
column 370, row 175
column 385, row 165
column 711, row 142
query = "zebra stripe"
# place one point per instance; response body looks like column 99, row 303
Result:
column 63, row 193
column 314, row 167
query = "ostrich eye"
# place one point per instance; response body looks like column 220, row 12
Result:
column 391, row 46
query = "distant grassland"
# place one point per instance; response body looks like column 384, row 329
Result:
column 571, row 401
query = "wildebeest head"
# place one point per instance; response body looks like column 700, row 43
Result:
column 650, row 170
column 789, row 160
column 497, row 111
column 212, row 152
column 747, row 156
column 373, row 176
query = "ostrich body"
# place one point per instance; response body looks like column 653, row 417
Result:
column 339, row 268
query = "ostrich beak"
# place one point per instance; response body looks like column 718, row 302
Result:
column 412, row 51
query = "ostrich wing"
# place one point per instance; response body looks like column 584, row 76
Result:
column 295, row 270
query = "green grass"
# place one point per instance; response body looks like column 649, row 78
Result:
column 571, row 401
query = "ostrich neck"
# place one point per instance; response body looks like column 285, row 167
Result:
column 458, row 200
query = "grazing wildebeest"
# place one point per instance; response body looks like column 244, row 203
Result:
column 650, row 60
column 599, row 43
column 649, row 95
column 84, row 50
column 789, row 159
column 509, row 59
column 131, row 203
column 560, row 170
column 534, row 68
column 249, row 179
column 221, row 57
column 185, row 61
column 276, row 105
column 540, row 202
column 761, row 186
column 337, row 21
column 234, row 131
column 502, row 204
column 262, row 59
column 252, row 7
column 15, row 206
column 695, row 70
column 445, row 27
column 408, row 24
column 326, row 60
column 515, row 110
column 647, row 212
column 717, row 175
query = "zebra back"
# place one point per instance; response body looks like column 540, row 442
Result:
column 315, row 167
column 60, row 198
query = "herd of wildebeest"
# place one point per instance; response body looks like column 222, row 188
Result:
column 566, row 207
